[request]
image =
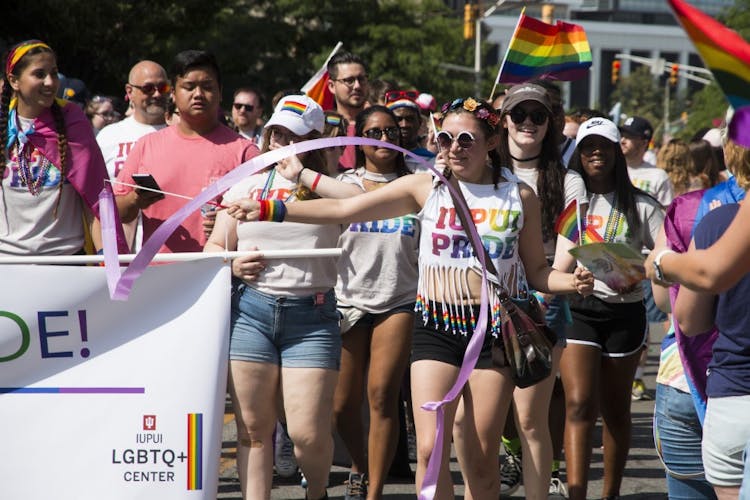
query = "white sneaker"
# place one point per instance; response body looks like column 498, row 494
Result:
column 557, row 489
column 283, row 455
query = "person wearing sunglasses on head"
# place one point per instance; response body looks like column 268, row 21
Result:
column 449, row 284
column 147, row 91
column 404, row 106
column 184, row 158
column 247, row 108
column 101, row 112
column 349, row 85
column 529, row 145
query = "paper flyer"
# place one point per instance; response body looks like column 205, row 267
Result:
column 616, row 264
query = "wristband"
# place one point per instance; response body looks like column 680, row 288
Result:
column 271, row 210
column 315, row 182
column 658, row 271
column 299, row 174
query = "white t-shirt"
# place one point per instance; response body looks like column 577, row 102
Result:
column 575, row 189
column 117, row 139
column 654, row 181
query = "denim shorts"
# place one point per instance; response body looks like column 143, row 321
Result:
column 726, row 431
column 677, row 436
column 294, row 332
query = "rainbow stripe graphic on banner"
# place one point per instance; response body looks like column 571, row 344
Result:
column 195, row 451
column 294, row 107
column 540, row 50
column 727, row 55
column 567, row 223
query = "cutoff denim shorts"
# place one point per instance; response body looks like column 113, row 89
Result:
column 293, row 332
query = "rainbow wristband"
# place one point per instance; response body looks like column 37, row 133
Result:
column 540, row 298
column 271, row 210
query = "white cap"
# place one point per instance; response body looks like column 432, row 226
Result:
column 598, row 126
column 299, row 114
column 713, row 137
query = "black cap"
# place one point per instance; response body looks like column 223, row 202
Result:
column 638, row 127
column 73, row 89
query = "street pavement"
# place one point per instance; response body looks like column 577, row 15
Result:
column 644, row 474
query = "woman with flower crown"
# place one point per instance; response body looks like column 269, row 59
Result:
column 507, row 216
column 51, row 169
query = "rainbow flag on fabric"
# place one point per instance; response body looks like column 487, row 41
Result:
column 316, row 87
column 727, row 55
column 568, row 222
column 195, row 451
column 540, row 50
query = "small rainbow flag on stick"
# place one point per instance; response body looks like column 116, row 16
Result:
column 317, row 87
column 571, row 225
column 540, row 50
column 727, row 55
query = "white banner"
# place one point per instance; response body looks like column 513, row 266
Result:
column 117, row 400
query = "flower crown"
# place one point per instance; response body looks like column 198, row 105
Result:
column 479, row 108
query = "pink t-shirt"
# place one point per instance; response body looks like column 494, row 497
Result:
column 186, row 166
column 349, row 157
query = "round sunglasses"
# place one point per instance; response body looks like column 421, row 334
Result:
column 464, row 139
column 518, row 116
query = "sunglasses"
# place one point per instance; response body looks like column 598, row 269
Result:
column 150, row 88
column 247, row 107
column 349, row 82
column 395, row 95
column 464, row 139
column 518, row 116
column 392, row 133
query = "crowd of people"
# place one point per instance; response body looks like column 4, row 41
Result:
column 389, row 322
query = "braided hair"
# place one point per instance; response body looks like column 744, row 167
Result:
column 16, row 61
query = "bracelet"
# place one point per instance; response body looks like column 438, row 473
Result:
column 315, row 182
column 299, row 174
column 271, row 210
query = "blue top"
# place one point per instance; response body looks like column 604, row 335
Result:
column 729, row 369
column 721, row 194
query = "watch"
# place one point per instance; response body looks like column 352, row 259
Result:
column 657, row 266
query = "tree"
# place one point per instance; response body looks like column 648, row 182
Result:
column 270, row 44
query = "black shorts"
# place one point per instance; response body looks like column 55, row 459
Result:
column 618, row 329
column 432, row 341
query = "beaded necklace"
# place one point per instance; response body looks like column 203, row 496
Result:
column 614, row 220
column 23, row 152
column 269, row 183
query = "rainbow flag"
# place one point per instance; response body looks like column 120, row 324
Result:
column 540, row 50
column 568, row 222
column 727, row 55
column 316, row 87
column 195, row 451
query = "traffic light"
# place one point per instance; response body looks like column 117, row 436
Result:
column 673, row 74
column 469, row 12
column 615, row 71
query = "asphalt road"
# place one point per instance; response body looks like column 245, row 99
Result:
column 644, row 474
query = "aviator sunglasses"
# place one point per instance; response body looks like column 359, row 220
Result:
column 247, row 107
column 150, row 88
column 518, row 116
column 464, row 139
column 392, row 133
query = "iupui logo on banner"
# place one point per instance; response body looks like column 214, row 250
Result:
column 149, row 422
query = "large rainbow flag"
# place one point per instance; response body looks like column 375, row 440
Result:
column 317, row 87
column 540, row 50
column 727, row 55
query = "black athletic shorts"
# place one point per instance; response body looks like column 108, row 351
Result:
column 432, row 341
column 618, row 329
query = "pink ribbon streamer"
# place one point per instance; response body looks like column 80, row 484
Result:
column 120, row 285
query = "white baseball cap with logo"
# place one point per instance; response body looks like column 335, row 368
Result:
column 598, row 126
column 299, row 114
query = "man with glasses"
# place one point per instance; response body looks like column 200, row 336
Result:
column 247, row 108
column 147, row 90
column 349, row 85
column 185, row 158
